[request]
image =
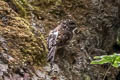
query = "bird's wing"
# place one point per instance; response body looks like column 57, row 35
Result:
column 52, row 39
column 64, row 38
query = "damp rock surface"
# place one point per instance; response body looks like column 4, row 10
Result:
column 24, row 27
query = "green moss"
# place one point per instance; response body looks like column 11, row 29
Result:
column 24, row 7
column 34, row 45
column 24, row 45
column 45, row 4
column 20, row 7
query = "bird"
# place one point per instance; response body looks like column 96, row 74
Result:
column 58, row 37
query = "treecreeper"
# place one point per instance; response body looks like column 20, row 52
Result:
column 58, row 37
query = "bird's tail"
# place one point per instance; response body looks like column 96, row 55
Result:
column 52, row 40
column 51, row 54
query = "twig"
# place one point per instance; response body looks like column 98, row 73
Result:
column 107, row 72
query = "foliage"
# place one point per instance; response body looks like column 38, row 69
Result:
column 114, row 60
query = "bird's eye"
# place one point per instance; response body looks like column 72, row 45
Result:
column 72, row 23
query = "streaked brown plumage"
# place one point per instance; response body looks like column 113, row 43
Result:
column 59, row 37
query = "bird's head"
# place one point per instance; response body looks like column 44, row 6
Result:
column 69, row 24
